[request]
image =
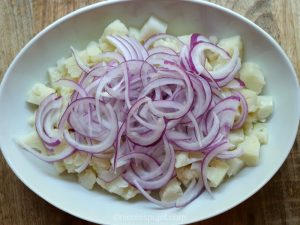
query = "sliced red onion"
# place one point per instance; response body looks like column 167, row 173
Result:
column 235, row 84
column 244, row 111
column 198, row 55
column 162, row 180
column 50, row 103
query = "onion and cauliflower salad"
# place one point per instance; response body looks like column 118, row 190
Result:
column 145, row 112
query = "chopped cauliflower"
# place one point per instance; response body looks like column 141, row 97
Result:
column 114, row 28
column 120, row 187
column 252, row 76
column 171, row 191
column 251, row 99
column 33, row 140
column 74, row 161
column 251, row 148
column 265, row 107
column 169, row 43
column 87, row 178
column 216, row 172
column 38, row 93
column 235, row 165
column 99, row 164
column 186, row 174
column 151, row 27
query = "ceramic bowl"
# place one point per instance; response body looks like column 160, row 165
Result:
column 87, row 24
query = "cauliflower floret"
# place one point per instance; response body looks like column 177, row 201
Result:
column 265, row 107
column 252, row 76
column 236, row 136
column 185, row 158
column 151, row 27
column 87, row 178
column 31, row 119
column 251, row 148
column 33, row 140
column 216, row 172
column 99, row 164
column 134, row 33
column 114, row 28
column 61, row 66
column 186, row 174
column 73, row 70
column 169, row 43
column 59, row 166
column 120, row 187
column 117, row 28
column 74, row 161
column 248, row 125
column 38, row 93
column 230, row 43
column 235, row 165
column 171, row 191
column 54, row 75
column 185, row 38
column 251, row 99
column 261, row 131
column 93, row 50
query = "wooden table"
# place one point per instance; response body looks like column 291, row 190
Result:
column 277, row 203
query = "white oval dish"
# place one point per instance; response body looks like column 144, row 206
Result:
column 86, row 24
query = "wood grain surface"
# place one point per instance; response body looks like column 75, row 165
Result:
column 277, row 203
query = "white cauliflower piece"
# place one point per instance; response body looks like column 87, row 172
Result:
column 120, row 187
column 169, row 43
column 261, row 131
column 31, row 119
column 186, row 158
column 251, row 148
column 114, row 28
column 171, row 191
column 185, row 38
column 33, row 140
column 265, row 107
column 229, row 44
column 87, row 178
column 134, row 33
column 93, row 50
column 186, row 174
column 61, row 66
column 252, row 76
column 236, row 136
column 248, row 125
column 73, row 70
column 216, row 172
column 99, row 164
column 235, row 165
column 54, row 75
column 74, row 161
column 151, row 27
column 182, row 159
column 59, row 166
column 251, row 99
column 38, row 93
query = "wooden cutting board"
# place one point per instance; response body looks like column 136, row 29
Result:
column 277, row 203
